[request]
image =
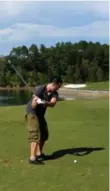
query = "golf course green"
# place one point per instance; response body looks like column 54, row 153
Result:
column 78, row 131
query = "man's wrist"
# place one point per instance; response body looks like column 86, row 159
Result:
column 49, row 104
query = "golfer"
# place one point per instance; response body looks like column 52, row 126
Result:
column 44, row 96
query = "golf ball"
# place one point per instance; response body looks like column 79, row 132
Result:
column 75, row 161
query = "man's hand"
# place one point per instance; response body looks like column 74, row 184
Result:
column 39, row 101
column 36, row 101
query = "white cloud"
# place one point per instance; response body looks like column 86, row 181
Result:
column 13, row 9
column 95, row 7
column 25, row 32
column 9, row 9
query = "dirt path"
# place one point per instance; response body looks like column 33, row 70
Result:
column 83, row 93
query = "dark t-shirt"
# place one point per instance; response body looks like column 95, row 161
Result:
column 41, row 93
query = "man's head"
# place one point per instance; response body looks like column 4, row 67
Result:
column 54, row 84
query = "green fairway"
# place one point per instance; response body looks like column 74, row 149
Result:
column 78, row 130
column 96, row 86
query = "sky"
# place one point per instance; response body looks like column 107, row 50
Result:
column 49, row 22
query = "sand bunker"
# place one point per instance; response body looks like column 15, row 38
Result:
column 75, row 86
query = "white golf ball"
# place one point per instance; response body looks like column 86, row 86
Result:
column 75, row 161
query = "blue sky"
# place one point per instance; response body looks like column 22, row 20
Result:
column 24, row 23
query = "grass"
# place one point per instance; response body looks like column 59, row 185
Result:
column 96, row 86
column 78, row 127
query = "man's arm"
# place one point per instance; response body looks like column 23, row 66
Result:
column 34, row 103
column 53, row 101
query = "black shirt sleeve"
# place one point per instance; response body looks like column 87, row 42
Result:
column 38, row 91
column 55, row 95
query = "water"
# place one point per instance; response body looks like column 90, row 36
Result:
column 8, row 98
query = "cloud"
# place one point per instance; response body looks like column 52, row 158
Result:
column 9, row 9
column 73, row 13
column 13, row 9
column 23, row 22
column 23, row 31
column 96, row 7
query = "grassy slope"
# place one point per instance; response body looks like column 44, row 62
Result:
column 72, row 124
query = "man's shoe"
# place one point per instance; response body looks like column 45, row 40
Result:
column 37, row 162
column 42, row 157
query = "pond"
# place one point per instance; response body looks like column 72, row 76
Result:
column 8, row 98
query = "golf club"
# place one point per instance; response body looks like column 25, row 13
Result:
column 18, row 73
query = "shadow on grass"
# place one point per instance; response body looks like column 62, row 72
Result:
column 81, row 151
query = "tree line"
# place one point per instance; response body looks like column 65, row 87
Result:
column 75, row 62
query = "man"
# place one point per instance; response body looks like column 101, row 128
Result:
column 44, row 96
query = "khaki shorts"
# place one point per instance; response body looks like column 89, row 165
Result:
column 37, row 128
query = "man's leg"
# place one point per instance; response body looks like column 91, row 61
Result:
column 33, row 137
column 43, row 138
column 40, row 148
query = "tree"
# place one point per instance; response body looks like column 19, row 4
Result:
column 79, row 62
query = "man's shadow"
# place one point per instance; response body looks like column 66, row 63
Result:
column 80, row 151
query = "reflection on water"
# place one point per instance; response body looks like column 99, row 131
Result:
column 8, row 98
column 22, row 97
column 14, row 97
column 5, row 98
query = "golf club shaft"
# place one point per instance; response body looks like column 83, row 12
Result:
column 18, row 73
